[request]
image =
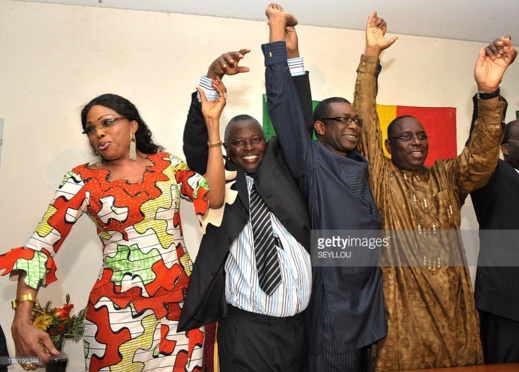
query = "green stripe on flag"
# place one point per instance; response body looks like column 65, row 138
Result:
column 267, row 124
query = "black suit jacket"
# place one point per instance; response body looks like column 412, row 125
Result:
column 497, row 275
column 205, row 300
column 497, row 210
column 3, row 350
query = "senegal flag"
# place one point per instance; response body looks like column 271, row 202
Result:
column 439, row 124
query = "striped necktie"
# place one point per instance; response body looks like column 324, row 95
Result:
column 267, row 262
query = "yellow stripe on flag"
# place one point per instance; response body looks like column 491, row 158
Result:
column 386, row 114
column 439, row 123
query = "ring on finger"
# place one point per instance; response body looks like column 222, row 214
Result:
column 27, row 366
column 44, row 348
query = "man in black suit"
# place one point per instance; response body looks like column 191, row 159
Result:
column 4, row 355
column 497, row 276
column 258, row 329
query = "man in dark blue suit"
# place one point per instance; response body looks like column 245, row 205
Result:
column 346, row 312
column 258, row 329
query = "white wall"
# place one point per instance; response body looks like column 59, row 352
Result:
column 55, row 58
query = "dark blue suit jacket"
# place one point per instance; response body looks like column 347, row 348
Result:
column 346, row 310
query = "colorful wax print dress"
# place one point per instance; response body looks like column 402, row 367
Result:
column 135, row 304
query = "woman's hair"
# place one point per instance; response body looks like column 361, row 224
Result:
column 127, row 109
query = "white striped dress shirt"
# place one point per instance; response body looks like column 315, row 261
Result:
column 242, row 287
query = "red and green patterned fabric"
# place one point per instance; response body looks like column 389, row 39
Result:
column 135, row 304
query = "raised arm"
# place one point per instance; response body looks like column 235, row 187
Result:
column 489, row 70
column 479, row 158
column 493, row 50
column 195, row 136
column 212, row 110
column 304, row 92
column 301, row 80
column 283, row 104
column 376, row 42
column 370, row 143
column 228, row 64
column 281, row 24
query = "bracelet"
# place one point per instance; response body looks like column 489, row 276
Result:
column 216, row 144
column 494, row 94
column 25, row 297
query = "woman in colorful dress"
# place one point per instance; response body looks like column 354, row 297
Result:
column 132, row 194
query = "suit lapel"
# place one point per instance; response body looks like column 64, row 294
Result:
column 241, row 182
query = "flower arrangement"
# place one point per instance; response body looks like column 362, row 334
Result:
column 58, row 322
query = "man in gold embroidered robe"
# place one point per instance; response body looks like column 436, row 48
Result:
column 430, row 310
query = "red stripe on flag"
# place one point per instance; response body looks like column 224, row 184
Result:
column 440, row 125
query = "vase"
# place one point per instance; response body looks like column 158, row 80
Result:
column 58, row 363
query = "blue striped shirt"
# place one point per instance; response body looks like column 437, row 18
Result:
column 242, row 288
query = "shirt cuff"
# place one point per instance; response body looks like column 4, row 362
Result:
column 368, row 64
column 492, row 112
column 296, row 66
column 206, row 85
column 275, row 52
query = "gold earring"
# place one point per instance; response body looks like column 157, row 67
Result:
column 133, row 147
